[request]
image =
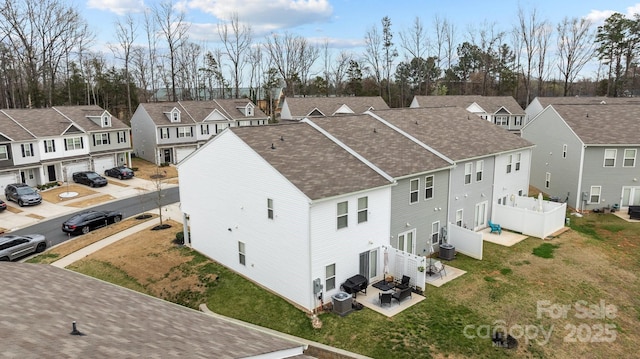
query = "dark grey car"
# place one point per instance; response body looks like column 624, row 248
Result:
column 22, row 194
column 12, row 246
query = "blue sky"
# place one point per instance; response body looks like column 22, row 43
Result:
column 343, row 23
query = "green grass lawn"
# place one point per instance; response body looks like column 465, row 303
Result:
column 596, row 261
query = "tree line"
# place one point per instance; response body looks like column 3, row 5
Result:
column 47, row 59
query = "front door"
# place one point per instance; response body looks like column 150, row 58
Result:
column 406, row 241
column 480, row 218
column 167, row 155
column 51, row 171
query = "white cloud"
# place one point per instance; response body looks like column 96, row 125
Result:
column 265, row 16
column 119, row 7
column 598, row 17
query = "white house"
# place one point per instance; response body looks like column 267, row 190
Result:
column 287, row 206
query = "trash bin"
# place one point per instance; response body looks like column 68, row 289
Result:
column 342, row 303
column 447, row 251
column 567, row 221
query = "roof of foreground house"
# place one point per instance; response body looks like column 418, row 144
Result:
column 603, row 124
column 40, row 302
column 310, row 160
column 300, row 107
column 386, row 148
column 491, row 104
column 454, row 131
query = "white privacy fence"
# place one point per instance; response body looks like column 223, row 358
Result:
column 403, row 263
column 531, row 216
column 466, row 241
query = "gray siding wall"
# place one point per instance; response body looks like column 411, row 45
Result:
column 549, row 132
column 8, row 162
column 173, row 135
column 419, row 215
column 144, row 134
column 113, row 144
column 466, row 196
column 612, row 179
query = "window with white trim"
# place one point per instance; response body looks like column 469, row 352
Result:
column 73, row 143
column 502, row 120
column 100, row 139
column 435, row 232
column 414, row 188
column 27, row 149
column 204, row 129
column 330, row 277
column 122, row 136
column 242, row 254
column 629, row 158
column 610, row 157
column 184, row 132
column 468, row 168
column 164, row 132
column 269, row 208
column 479, row 170
column 547, row 180
column 343, row 214
column 49, row 146
column 363, row 209
column 509, row 162
column 594, row 195
column 220, row 127
column 4, row 153
column 518, row 121
column 564, row 151
column 106, row 121
column 518, row 157
column 428, row 187
column 459, row 217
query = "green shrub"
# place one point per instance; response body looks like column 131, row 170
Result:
column 164, row 164
column 179, row 237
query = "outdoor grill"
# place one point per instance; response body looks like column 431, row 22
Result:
column 355, row 284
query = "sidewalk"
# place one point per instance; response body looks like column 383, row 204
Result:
column 171, row 211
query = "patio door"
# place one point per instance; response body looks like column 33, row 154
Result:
column 630, row 196
column 369, row 264
column 406, row 241
column 480, row 218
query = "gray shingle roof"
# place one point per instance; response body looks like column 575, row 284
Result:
column 42, row 122
column 157, row 112
column 454, row 132
column 40, row 302
column 606, row 123
column 386, row 148
column 78, row 114
column 491, row 104
column 309, row 160
column 303, row 106
column 594, row 100
column 11, row 129
column 196, row 111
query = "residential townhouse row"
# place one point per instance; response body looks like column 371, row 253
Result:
column 320, row 200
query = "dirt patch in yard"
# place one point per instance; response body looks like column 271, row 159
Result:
column 91, row 201
column 33, row 215
column 149, row 171
column 13, row 209
column 116, row 183
column 53, row 195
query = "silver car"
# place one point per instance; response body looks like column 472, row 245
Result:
column 12, row 246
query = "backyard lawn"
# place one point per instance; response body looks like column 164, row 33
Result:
column 575, row 297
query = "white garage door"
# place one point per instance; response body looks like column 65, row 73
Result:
column 6, row 179
column 103, row 163
column 183, row 152
column 70, row 168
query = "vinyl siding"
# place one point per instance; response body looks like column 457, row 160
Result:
column 466, row 197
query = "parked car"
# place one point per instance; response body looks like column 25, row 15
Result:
column 22, row 194
column 12, row 246
column 89, row 178
column 87, row 221
column 3, row 205
column 120, row 172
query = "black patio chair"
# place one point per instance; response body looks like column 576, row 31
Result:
column 404, row 283
column 385, row 298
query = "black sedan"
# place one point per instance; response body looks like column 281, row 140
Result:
column 89, row 178
column 3, row 205
column 120, row 172
column 12, row 246
column 87, row 221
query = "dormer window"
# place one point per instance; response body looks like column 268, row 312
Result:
column 174, row 116
column 246, row 110
column 249, row 110
column 106, row 120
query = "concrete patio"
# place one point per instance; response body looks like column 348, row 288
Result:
column 450, row 273
column 507, row 238
column 371, row 301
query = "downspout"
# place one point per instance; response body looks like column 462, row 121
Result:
column 578, row 191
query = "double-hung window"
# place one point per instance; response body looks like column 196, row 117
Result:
column 564, row 151
column 4, row 153
column 204, row 129
column 594, row 196
column 330, row 277
column 459, row 218
column 468, row 169
column 428, row 187
column 547, row 180
column 343, row 214
column 414, row 187
column 435, row 232
column 122, row 136
column 363, row 209
column 629, row 158
column 100, row 139
column 49, row 146
column 164, row 132
column 184, row 132
column 73, row 143
column 27, row 149
column 479, row 170
column 518, row 158
column 509, row 162
column 610, row 157
column 242, row 254
column 269, row 208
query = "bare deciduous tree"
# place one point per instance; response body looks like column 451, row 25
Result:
column 575, row 49
column 373, row 54
column 292, row 57
column 174, row 30
column 126, row 29
column 416, row 43
column 236, row 39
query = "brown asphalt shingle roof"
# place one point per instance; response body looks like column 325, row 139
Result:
column 11, row 129
column 384, row 147
column 303, row 106
column 42, row 122
column 595, row 100
column 605, row 124
column 491, row 104
column 453, row 131
column 78, row 114
column 196, row 111
column 312, row 162
column 40, row 302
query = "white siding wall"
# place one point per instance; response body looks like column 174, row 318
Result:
column 225, row 185
column 507, row 184
column 343, row 246
column 16, row 149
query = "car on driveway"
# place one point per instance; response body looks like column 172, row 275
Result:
column 89, row 178
column 3, row 205
column 84, row 222
column 120, row 172
column 13, row 246
column 22, row 194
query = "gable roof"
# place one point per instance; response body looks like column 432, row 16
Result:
column 117, row 322
column 603, row 124
column 490, row 104
column 387, row 149
column 79, row 115
column 311, row 161
column 300, row 107
column 454, row 132
column 10, row 129
column 584, row 100
column 41, row 122
column 192, row 112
